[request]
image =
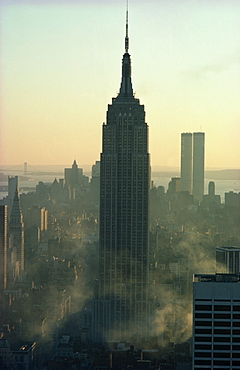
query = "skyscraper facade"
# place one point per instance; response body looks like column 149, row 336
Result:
column 186, row 162
column 73, row 176
column 192, row 164
column 3, row 250
column 198, row 165
column 228, row 260
column 13, row 184
column 122, row 305
column 216, row 323
column 16, row 239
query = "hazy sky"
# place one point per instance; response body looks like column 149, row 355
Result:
column 61, row 65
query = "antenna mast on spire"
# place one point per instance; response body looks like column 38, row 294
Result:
column 126, row 38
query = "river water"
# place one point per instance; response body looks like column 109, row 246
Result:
column 29, row 181
column 221, row 186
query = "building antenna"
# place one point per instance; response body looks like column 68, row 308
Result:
column 126, row 37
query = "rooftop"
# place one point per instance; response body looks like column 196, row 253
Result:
column 230, row 249
column 219, row 278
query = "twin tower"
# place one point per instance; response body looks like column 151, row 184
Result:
column 192, row 164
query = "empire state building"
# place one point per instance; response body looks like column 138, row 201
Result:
column 121, row 308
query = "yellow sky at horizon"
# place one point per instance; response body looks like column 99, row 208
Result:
column 61, row 66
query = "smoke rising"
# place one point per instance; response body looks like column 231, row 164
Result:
column 173, row 319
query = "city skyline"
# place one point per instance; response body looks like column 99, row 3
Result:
column 56, row 61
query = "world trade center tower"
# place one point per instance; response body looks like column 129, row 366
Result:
column 121, row 308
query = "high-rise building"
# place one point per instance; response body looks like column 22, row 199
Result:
column 186, row 162
column 96, row 169
column 174, row 185
column 36, row 216
column 3, row 250
column 198, row 165
column 228, row 260
column 122, row 305
column 75, row 181
column 216, row 322
column 211, row 188
column 13, row 184
column 211, row 199
column 192, row 164
column 16, row 238
column 73, row 176
column 95, row 183
column 232, row 200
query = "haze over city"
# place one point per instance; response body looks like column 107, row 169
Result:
column 105, row 262
column 61, row 65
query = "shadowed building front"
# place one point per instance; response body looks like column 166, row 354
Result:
column 16, row 241
column 198, row 165
column 122, row 305
column 186, row 162
column 3, row 250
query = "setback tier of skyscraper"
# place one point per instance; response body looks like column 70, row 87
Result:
column 122, row 305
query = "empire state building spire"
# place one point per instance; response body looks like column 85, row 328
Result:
column 126, row 90
column 122, row 306
column 126, row 37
